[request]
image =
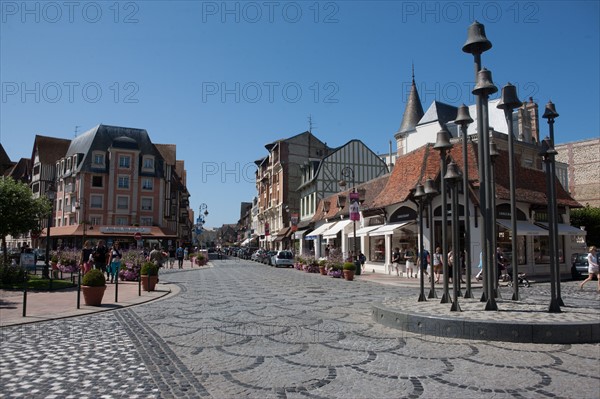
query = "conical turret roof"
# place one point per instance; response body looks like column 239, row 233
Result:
column 413, row 111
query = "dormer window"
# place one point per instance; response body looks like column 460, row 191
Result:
column 69, row 164
column 148, row 163
column 98, row 159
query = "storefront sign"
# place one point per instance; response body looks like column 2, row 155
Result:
column 294, row 220
column 124, row 230
column 267, row 229
column 354, row 206
column 403, row 214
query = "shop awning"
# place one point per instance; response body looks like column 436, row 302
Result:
column 566, row 230
column 299, row 234
column 339, row 226
column 364, row 231
column 523, row 228
column 388, row 229
column 319, row 230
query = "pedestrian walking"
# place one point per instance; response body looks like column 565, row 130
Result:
column 593, row 268
column 180, row 256
column 438, row 263
column 157, row 256
column 410, row 256
column 396, row 259
column 423, row 262
column 114, row 261
column 87, row 257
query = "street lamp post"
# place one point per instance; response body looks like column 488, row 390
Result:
column 476, row 44
column 443, row 144
column 82, row 205
column 493, row 156
column 202, row 214
column 484, row 87
column 463, row 119
column 453, row 177
column 431, row 192
column 50, row 194
column 348, row 173
column 550, row 114
column 508, row 102
column 548, row 152
column 420, row 197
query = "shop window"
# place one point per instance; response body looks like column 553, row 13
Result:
column 541, row 249
column 505, row 243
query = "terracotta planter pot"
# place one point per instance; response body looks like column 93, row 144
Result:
column 149, row 282
column 323, row 271
column 92, row 296
column 349, row 275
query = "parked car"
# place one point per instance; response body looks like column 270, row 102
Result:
column 266, row 259
column 579, row 266
column 256, row 256
column 283, row 258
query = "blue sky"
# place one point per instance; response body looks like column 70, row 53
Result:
column 222, row 79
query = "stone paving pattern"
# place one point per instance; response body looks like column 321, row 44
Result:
column 245, row 330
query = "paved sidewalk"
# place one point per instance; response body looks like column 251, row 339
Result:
column 49, row 305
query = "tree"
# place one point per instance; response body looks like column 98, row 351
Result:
column 590, row 218
column 19, row 211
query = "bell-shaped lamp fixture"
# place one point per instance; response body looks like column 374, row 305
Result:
column 430, row 188
column 463, row 118
column 485, row 85
column 550, row 111
column 509, row 99
column 443, row 139
column 419, row 192
column 452, row 173
column 477, row 42
column 547, row 148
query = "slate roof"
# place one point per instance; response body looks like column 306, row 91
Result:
column 168, row 152
column 440, row 112
column 50, row 149
column 413, row 112
column 424, row 162
column 5, row 161
column 21, row 171
column 101, row 137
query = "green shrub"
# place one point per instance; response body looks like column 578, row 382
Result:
column 11, row 274
column 322, row 263
column 149, row 269
column 94, row 278
column 349, row 266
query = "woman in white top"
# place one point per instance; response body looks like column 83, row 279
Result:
column 593, row 268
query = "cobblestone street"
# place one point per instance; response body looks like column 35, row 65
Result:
column 241, row 329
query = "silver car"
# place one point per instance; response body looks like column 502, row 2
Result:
column 283, row 258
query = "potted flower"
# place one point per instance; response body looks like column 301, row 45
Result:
column 335, row 270
column 200, row 260
column 323, row 267
column 149, row 276
column 93, row 286
column 349, row 269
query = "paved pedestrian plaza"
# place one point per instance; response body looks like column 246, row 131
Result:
column 246, row 330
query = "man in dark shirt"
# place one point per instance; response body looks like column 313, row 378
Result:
column 100, row 256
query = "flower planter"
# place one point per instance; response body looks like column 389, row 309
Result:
column 323, row 271
column 349, row 275
column 92, row 296
column 149, row 282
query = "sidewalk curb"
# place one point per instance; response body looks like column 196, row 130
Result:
column 163, row 291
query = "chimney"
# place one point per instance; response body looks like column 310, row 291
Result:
column 534, row 118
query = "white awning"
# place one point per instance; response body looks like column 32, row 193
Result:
column 388, row 229
column 299, row 234
column 566, row 230
column 319, row 230
column 339, row 226
column 364, row 231
column 523, row 228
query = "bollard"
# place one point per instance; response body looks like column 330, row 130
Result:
column 25, row 297
column 79, row 289
column 117, row 288
column 139, row 285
